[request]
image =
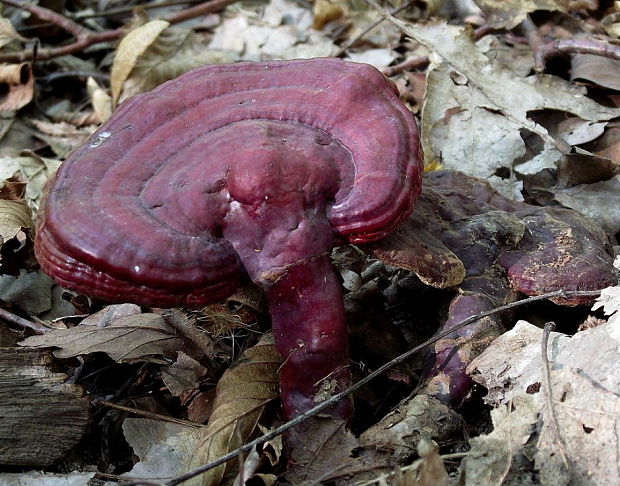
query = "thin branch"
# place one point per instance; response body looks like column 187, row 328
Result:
column 57, row 19
column 336, row 398
column 85, row 37
column 543, row 50
column 147, row 414
column 362, row 34
column 20, row 321
column 554, row 425
column 198, row 10
column 408, row 65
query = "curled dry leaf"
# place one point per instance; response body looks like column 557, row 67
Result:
column 18, row 84
column 395, row 436
column 475, row 106
column 62, row 137
column 510, row 13
column 584, row 384
column 326, row 11
column 242, row 394
column 129, row 50
column 183, row 375
column 429, row 470
column 155, row 53
column 319, row 448
column 8, row 33
column 128, row 339
column 37, row 171
column 110, row 313
column 161, row 447
column 14, row 217
column 100, row 99
column 599, row 70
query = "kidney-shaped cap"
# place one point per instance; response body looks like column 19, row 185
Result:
column 143, row 211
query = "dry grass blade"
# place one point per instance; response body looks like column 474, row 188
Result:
column 242, row 394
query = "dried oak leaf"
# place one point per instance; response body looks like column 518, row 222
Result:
column 241, row 396
column 14, row 217
column 128, row 339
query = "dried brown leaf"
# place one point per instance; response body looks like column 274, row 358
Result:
column 475, row 107
column 155, row 53
column 8, row 33
column 510, row 13
column 242, row 394
column 100, row 99
column 19, row 86
column 62, row 137
column 599, row 70
column 184, row 374
column 14, row 216
column 317, row 449
column 326, row 11
column 129, row 50
column 110, row 313
column 429, row 470
column 128, row 339
column 37, row 170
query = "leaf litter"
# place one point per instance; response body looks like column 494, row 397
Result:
column 545, row 138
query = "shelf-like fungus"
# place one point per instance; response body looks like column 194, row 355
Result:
column 464, row 234
column 254, row 169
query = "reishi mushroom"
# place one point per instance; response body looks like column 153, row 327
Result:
column 464, row 234
column 249, row 168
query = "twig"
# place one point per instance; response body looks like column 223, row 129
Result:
column 85, row 37
column 361, row 35
column 201, row 340
column 336, row 398
column 198, row 10
column 151, row 415
column 554, row 425
column 130, row 8
column 20, row 321
column 544, row 50
column 109, row 13
column 408, row 65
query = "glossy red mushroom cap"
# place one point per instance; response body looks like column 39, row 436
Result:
column 249, row 165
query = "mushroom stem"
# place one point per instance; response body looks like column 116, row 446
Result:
column 309, row 325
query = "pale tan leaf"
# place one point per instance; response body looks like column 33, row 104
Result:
column 14, row 215
column 8, row 32
column 475, row 107
column 326, row 11
column 62, row 137
column 510, row 13
column 19, row 81
column 129, row 50
column 110, row 313
column 184, row 374
column 164, row 53
column 128, row 339
column 242, row 394
column 100, row 99
column 317, row 448
column 37, row 170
